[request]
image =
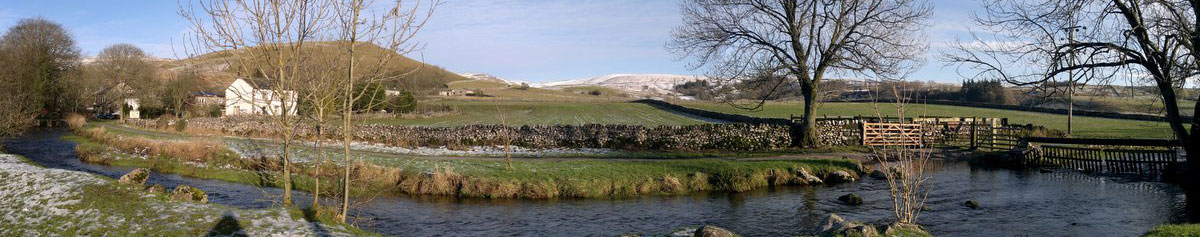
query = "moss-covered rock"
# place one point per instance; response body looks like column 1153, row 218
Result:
column 136, row 177
column 189, row 193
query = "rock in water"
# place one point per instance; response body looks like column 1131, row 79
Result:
column 188, row 193
column 831, row 223
column 851, row 199
column 136, row 177
column 971, row 204
column 834, row 225
column 839, row 176
column 713, row 231
column 876, row 174
column 808, row 177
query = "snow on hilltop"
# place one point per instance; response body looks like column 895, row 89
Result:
column 658, row 84
column 489, row 77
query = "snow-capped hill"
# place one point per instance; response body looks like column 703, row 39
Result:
column 661, row 84
column 489, row 77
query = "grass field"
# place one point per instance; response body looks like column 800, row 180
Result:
column 545, row 113
column 1083, row 126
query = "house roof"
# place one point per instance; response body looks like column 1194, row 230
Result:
column 260, row 83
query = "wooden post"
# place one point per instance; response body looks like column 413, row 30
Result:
column 973, row 128
column 862, row 130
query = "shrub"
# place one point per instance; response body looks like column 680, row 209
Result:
column 180, row 124
column 76, row 121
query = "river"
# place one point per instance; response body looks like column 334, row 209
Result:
column 1014, row 203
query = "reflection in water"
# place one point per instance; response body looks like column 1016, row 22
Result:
column 1014, row 203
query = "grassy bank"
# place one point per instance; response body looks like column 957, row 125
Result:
column 42, row 201
column 480, row 177
column 1175, row 230
column 1082, row 126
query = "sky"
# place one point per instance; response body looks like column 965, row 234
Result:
column 527, row 40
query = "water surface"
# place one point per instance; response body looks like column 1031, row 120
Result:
column 1015, row 203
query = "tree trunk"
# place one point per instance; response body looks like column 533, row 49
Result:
column 316, row 202
column 1176, row 122
column 287, row 171
column 807, row 135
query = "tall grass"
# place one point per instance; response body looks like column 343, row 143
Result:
column 194, row 151
column 76, row 121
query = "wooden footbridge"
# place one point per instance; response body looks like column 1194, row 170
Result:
column 1027, row 144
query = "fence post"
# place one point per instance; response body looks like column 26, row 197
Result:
column 973, row 128
column 862, row 130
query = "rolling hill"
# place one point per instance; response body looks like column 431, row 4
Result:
column 218, row 68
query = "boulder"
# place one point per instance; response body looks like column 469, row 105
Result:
column 851, row 199
column 189, row 193
column 713, row 231
column 808, row 177
column 136, row 177
column 839, row 176
column 830, row 223
column 876, row 174
column 834, row 225
column 971, row 204
column 157, row 188
column 901, row 229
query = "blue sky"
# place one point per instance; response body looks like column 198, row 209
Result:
column 537, row 41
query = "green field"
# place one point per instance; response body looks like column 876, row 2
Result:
column 1083, row 126
column 544, row 113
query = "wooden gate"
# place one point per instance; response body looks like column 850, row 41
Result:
column 892, row 134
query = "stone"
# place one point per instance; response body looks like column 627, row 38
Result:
column 808, row 177
column 834, row 225
column 971, row 204
column 876, row 174
column 189, row 193
column 136, row 177
column 831, row 223
column 713, row 231
column 859, row 230
column 157, row 188
column 902, row 229
column 851, row 199
column 838, row 177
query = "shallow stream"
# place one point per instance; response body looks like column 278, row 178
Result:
column 1014, row 203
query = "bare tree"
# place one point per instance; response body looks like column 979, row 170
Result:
column 802, row 39
column 360, row 24
column 1154, row 39
column 265, row 40
column 123, row 70
column 903, row 166
column 36, row 54
column 321, row 94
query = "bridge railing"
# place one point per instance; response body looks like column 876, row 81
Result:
column 1114, row 156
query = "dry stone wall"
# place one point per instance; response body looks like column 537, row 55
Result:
column 741, row 137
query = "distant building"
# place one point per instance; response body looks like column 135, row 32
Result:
column 133, row 104
column 455, row 92
column 207, row 98
column 243, row 98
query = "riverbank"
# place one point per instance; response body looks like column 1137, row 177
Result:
column 538, row 178
column 41, row 201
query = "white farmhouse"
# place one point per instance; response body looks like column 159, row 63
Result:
column 242, row 98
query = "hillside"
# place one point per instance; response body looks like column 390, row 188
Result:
column 645, row 85
column 219, row 67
